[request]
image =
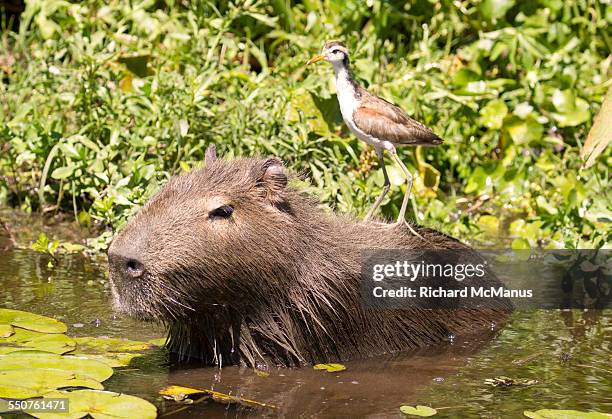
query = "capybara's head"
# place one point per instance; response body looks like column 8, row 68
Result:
column 206, row 239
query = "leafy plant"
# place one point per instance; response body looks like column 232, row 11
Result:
column 102, row 102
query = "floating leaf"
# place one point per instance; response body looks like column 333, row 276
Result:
column 180, row 392
column 158, row 341
column 31, row 321
column 564, row 414
column 12, row 391
column 422, row 411
column 330, row 367
column 41, row 381
column 47, row 342
column 6, row 330
column 103, row 345
column 112, row 359
column 82, row 367
column 100, row 405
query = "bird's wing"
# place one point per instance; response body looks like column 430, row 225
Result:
column 385, row 121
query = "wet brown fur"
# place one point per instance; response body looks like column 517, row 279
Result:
column 278, row 283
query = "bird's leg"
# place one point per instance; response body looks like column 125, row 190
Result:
column 386, row 186
column 402, row 214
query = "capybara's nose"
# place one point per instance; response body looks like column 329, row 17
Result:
column 129, row 266
column 134, row 268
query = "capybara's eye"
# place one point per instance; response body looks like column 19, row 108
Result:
column 224, row 211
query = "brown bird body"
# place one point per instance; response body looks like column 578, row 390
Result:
column 375, row 120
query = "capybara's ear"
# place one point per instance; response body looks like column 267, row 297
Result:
column 210, row 155
column 272, row 180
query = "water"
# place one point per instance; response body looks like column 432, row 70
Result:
column 567, row 351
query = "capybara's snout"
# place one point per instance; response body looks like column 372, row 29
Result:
column 125, row 264
column 125, row 260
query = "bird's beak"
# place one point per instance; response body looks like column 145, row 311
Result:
column 315, row 59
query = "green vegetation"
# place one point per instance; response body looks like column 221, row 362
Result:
column 36, row 354
column 101, row 102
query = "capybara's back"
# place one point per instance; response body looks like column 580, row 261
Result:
column 245, row 268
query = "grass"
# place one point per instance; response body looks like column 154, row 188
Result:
column 102, row 102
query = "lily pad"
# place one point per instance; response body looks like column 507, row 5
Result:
column 88, row 368
column 100, row 405
column 46, row 342
column 564, row 414
column 6, row 330
column 158, row 341
column 31, row 321
column 41, row 381
column 422, row 411
column 15, row 392
column 330, row 367
column 112, row 359
column 104, row 345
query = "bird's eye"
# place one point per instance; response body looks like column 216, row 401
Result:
column 335, row 51
column 224, row 211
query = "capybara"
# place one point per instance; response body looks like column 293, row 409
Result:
column 245, row 268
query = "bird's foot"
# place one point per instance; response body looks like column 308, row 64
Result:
column 412, row 230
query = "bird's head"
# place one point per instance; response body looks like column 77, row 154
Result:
column 335, row 52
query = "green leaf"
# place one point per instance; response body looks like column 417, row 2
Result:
column 564, row 100
column 46, row 342
column 13, row 391
column 303, row 108
column 42, row 381
column 103, row 345
column 465, row 76
column 578, row 115
column 31, row 321
column 564, row 414
column 101, row 405
column 520, row 244
column 495, row 9
column 489, row 224
column 87, row 368
column 546, row 205
column 493, row 114
column 6, row 330
column 137, row 64
column 62, row 172
column 112, row 359
column 524, row 132
column 330, row 367
column 421, row 411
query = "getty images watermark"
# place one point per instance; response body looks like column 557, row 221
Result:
column 396, row 279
